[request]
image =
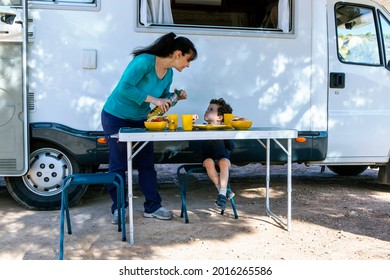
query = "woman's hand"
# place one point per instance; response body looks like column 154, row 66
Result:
column 163, row 103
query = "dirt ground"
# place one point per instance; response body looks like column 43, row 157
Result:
column 333, row 218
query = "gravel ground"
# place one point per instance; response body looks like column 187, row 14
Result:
column 333, row 217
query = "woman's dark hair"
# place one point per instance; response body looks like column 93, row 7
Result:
column 167, row 44
column 223, row 108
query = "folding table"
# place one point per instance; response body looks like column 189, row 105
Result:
column 138, row 137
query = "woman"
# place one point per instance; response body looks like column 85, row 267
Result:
column 147, row 79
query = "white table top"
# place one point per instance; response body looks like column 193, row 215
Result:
column 141, row 134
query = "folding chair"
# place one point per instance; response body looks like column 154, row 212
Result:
column 183, row 186
column 91, row 179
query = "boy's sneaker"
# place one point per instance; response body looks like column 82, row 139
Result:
column 221, row 202
column 161, row 214
column 115, row 218
column 230, row 194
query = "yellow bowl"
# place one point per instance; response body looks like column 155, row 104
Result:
column 156, row 126
column 241, row 125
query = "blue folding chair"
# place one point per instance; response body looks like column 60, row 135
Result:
column 183, row 186
column 91, row 179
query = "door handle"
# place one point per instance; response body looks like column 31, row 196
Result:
column 8, row 19
column 337, row 80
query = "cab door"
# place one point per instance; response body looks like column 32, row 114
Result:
column 359, row 84
column 13, row 88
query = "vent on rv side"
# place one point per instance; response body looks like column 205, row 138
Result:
column 7, row 164
column 31, row 102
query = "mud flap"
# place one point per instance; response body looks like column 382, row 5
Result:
column 384, row 174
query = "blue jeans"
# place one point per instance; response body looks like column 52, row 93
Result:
column 143, row 161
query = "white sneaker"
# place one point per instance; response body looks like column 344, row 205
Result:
column 230, row 194
column 161, row 214
column 115, row 218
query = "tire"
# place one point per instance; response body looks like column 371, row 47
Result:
column 40, row 188
column 348, row 170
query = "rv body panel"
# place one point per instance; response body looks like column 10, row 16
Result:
column 270, row 78
column 266, row 78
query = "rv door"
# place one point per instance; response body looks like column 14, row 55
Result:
column 13, row 88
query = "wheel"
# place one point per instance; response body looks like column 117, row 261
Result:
column 348, row 170
column 40, row 188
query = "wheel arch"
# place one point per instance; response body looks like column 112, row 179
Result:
column 82, row 145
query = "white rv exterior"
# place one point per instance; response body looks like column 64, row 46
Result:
column 307, row 73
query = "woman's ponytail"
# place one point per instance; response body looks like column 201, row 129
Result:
column 167, row 44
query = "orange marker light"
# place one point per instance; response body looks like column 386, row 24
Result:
column 102, row 140
column 301, row 139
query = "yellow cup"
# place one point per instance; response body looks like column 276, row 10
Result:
column 227, row 120
column 186, row 122
column 173, row 121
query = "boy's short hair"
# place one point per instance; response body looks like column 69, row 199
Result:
column 223, row 107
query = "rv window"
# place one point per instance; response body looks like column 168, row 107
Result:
column 385, row 24
column 66, row 1
column 357, row 35
column 227, row 14
column 87, row 5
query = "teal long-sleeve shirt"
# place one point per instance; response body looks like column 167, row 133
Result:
column 127, row 100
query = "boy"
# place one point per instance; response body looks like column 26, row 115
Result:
column 217, row 152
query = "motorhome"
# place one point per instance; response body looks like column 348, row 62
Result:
column 321, row 67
